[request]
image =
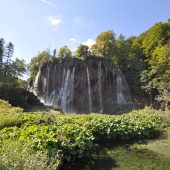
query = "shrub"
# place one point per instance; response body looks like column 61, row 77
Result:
column 23, row 157
column 68, row 137
column 9, row 120
column 5, row 107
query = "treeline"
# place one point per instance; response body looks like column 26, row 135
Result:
column 144, row 59
column 11, row 71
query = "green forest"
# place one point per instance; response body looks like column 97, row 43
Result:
column 34, row 136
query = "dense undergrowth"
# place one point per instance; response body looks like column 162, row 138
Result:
column 45, row 141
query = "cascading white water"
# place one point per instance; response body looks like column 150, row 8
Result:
column 120, row 88
column 58, row 98
column 47, row 95
column 72, row 88
column 100, row 87
column 89, row 91
column 54, row 92
column 65, row 92
column 94, row 85
column 35, row 84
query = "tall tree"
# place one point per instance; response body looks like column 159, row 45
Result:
column 82, row 51
column 155, row 44
column 121, row 51
column 157, row 76
column 37, row 62
column 9, row 50
column 64, row 52
column 54, row 53
column 2, row 42
column 105, row 44
column 18, row 67
column 10, row 71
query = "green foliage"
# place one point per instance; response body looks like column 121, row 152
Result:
column 131, row 60
column 145, row 60
column 66, row 138
column 1, row 53
column 37, row 62
column 156, row 77
column 5, row 107
column 158, row 35
column 82, row 51
column 64, row 52
column 10, row 120
column 9, row 115
column 10, row 71
column 105, row 44
column 15, row 155
column 18, row 67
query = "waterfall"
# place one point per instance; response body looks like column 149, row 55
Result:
column 54, row 92
column 47, row 94
column 35, row 85
column 120, row 88
column 72, row 88
column 89, row 91
column 59, row 95
column 65, row 92
column 91, row 85
column 100, row 87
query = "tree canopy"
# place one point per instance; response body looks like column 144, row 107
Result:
column 64, row 52
column 82, row 51
column 105, row 44
column 37, row 62
column 11, row 70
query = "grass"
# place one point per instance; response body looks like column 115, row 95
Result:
column 137, row 159
column 160, row 146
column 123, row 158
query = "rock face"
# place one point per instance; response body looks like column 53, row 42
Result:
column 91, row 85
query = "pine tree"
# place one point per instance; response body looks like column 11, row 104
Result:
column 9, row 50
column 1, row 53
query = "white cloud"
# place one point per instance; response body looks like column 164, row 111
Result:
column 54, row 21
column 89, row 42
column 73, row 40
column 48, row 3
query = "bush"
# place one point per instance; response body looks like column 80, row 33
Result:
column 10, row 120
column 23, row 157
column 68, row 137
column 5, row 107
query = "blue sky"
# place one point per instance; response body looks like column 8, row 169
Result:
column 35, row 25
